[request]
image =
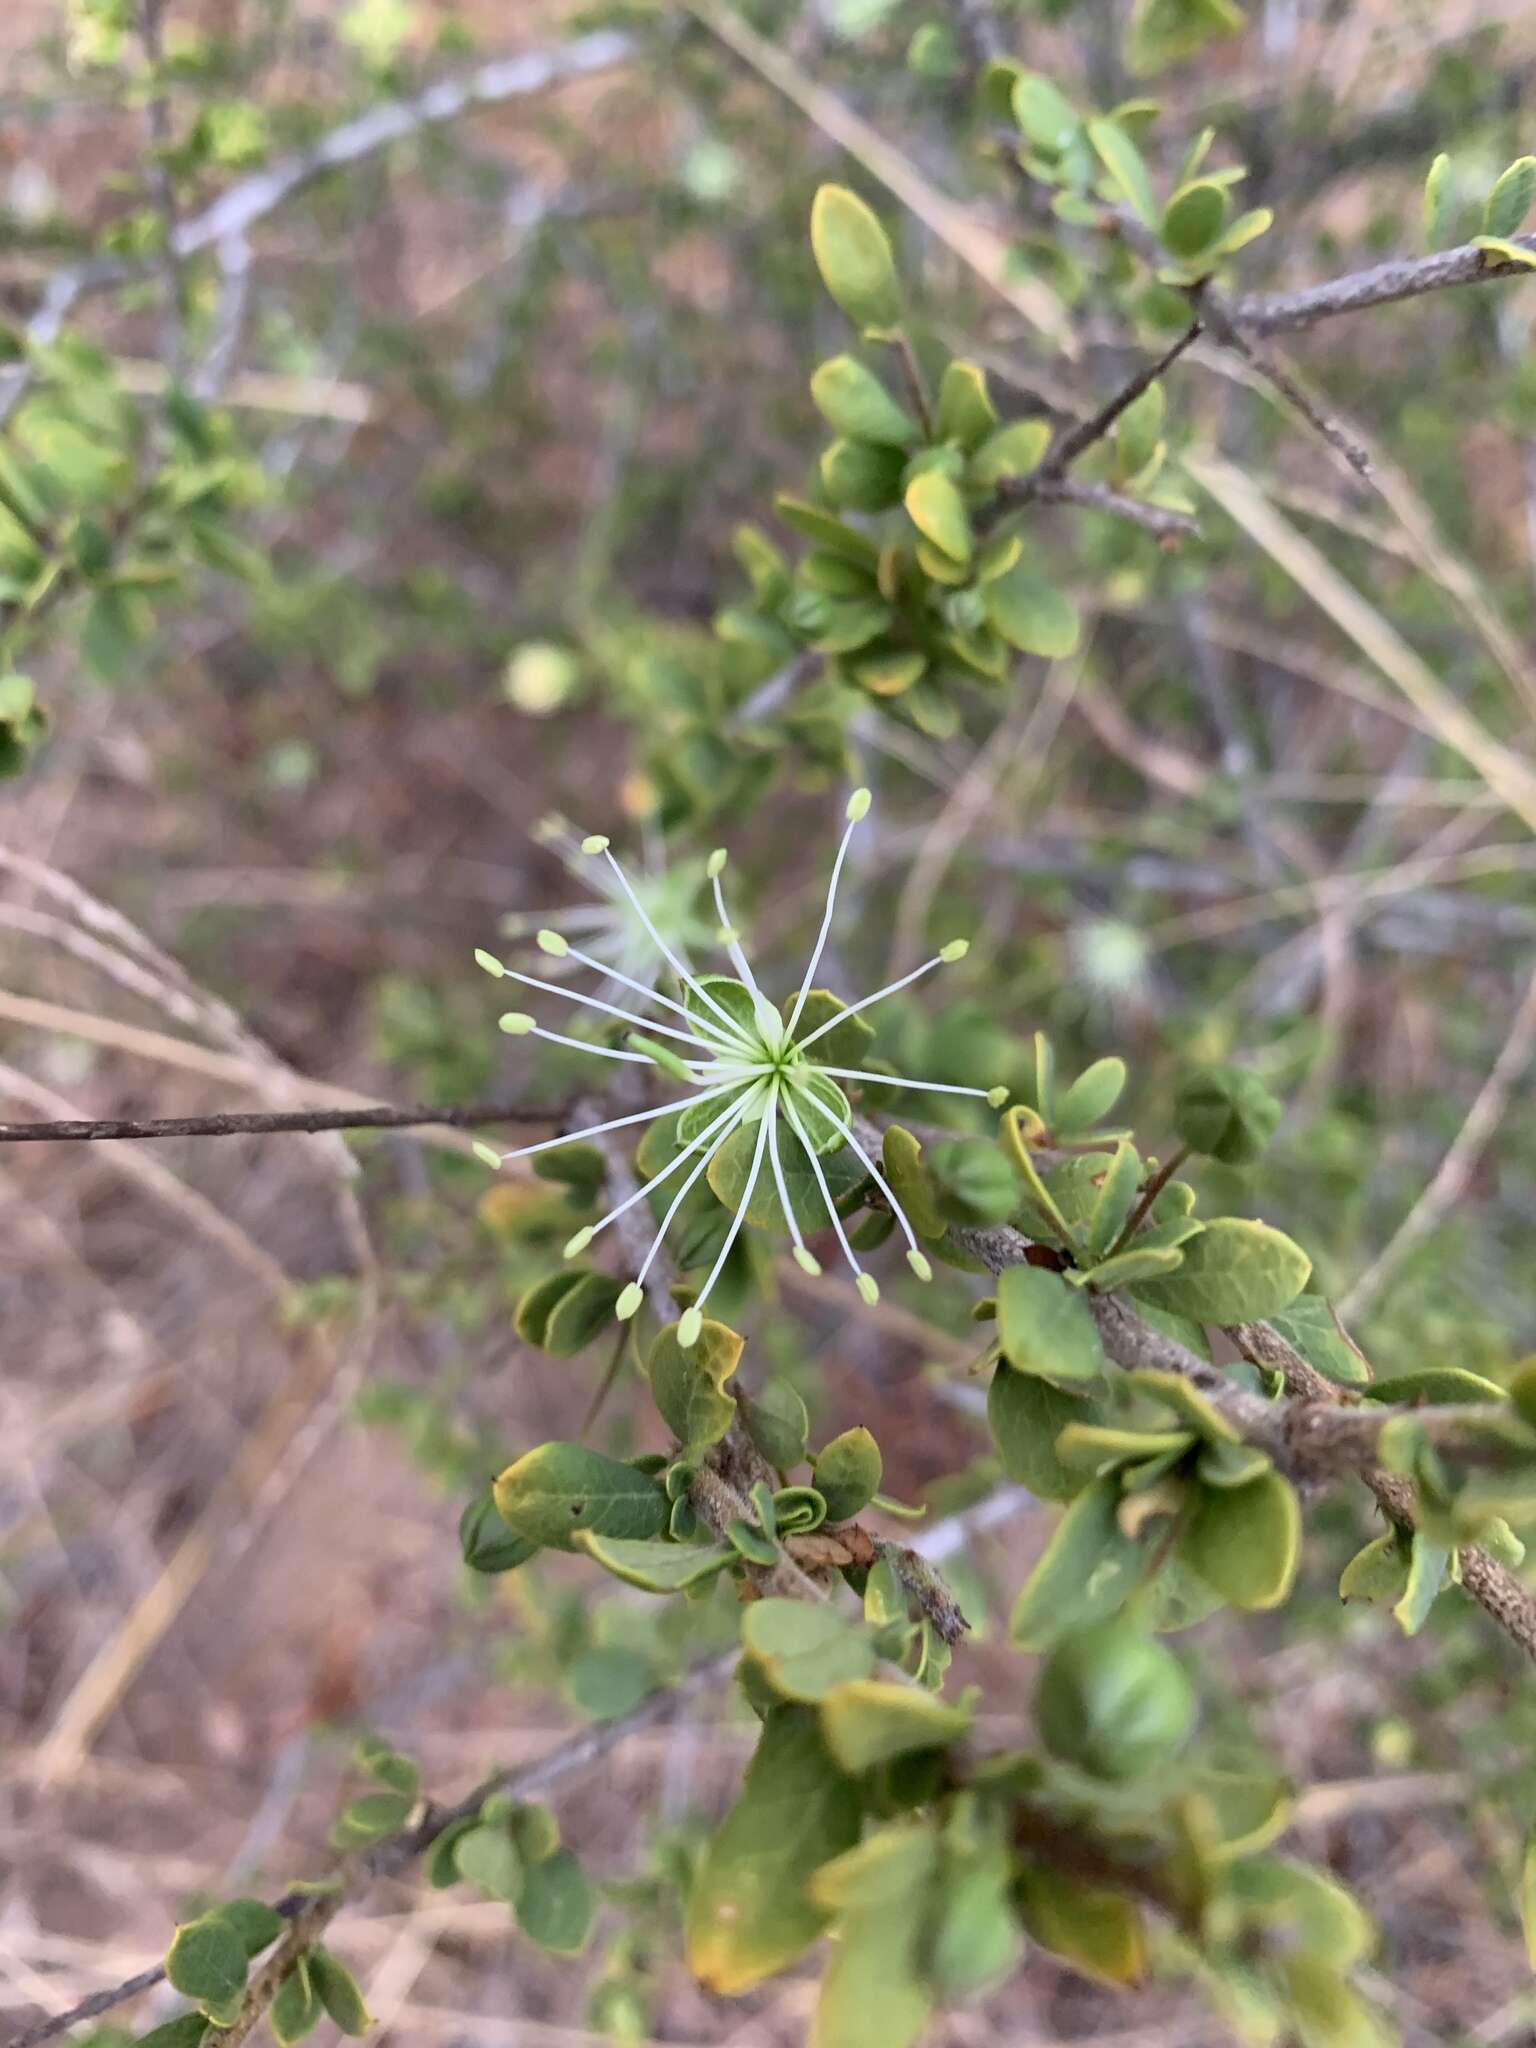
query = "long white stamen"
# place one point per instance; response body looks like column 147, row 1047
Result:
column 900, row 1081
column 739, row 960
column 613, row 974
column 858, row 806
column 915, row 1256
column 677, row 966
column 572, row 995
column 804, row 1259
column 941, row 959
column 863, row 1279
column 692, row 1320
column 740, row 1109
column 616, row 1123
column 517, row 1024
column 584, row 1237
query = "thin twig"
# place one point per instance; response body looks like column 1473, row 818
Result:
column 1161, row 521
column 260, row 1123
column 1079, row 439
column 1405, row 277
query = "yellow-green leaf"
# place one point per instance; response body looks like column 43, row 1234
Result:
column 867, row 1721
column 749, row 1912
column 1245, row 1540
column 853, row 254
column 938, row 511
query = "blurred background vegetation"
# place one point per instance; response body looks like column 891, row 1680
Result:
column 499, row 398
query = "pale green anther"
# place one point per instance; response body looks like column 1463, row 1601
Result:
column 715, row 865
column 858, row 805
column 594, row 842
column 807, row 1261
column 955, row 950
column 727, row 936
column 516, row 1023
column 488, row 961
column 551, row 943
column 575, row 1246
column 690, row 1328
column 486, row 1153
column 996, row 1097
column 919, row 1265
column 629, row 1302
column 869, row 1288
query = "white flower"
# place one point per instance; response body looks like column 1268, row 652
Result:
column 745, row 1065
column 608, row 927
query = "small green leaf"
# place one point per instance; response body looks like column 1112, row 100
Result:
column 656, row 1567
column 966, row 413
column 871, row 1990
column 749, row 1912
column 1245, row 1540
column 1439, row 203
column 1192, row 1408
column 1510, row 200
column 1026, row 1417
column 1378, row 1574
column 1115, row 1201
column 185, row 2031
column 256, row 1923
column 1098, row 1932
column 1047, row 1329
column 1090, row 1098
column 1235, row 1271
column 860, row 477
column 938, row 511
column 1437, row 1383
column 1194, row 218
column 556, row 1906
column 777, row 1423
column 688, row 1387
column 1123, row 160
column 607, row 1681
column 846, row 1472
column 553, row 1493
column 826, row 530
column 1045, row 118
column 1507, row 252
column 1310, row 1327
column 802, row 1651
column 853, row 254
column 1226, row 1113
column 207, row 1961
column 337, row 1991
column 1128, row 1269
column 1013, row 450
column 485, row 1541
column 902, row 1157
column 295, row 2011
column 1114, row 1701
column 1032, row 614
column 581, row 1315
column 531, row 1317
column 867, row 1721
column 487, row 1856
column 1085, row 1574
column 854, row 403
column 1428, row 1564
